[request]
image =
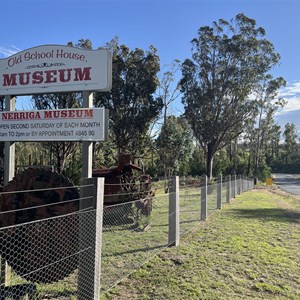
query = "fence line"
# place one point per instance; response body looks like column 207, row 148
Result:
column 90, row 246
column 126, row 247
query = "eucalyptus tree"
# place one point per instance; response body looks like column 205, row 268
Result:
column 168, row 88
column 169, row 91
column 174, row 145
column 261, row 127
column 131, row 102
column 60, row 151
column 228, row 60
column 291, row 146
column 272, row 148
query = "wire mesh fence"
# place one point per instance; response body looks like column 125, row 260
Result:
column 135, row 231
column 189, row 205
column 131, row 236
column 59, row 250
column 43, row 245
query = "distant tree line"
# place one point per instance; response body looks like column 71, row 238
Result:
column 229, row 100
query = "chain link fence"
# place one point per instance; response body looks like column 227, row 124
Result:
column 131, row 237
column 132, row 234
column 83, row 243
column 46, row 257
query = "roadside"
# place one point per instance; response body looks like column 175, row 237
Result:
column 288, row 182
column 247, row 250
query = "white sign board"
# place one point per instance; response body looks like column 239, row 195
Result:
column 54, row 68
column 80, row 124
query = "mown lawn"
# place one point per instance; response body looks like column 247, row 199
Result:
column 247, row 250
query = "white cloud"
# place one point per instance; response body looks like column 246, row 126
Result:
column 291, row 93
column 291, row 90
column 293, row 103
column 9, row 50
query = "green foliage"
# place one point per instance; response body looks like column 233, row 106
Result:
column 174, row 146
column 264, row 172
column 197, row 163
column 132, row 106
column 228, row 60
column 291, row 147
column 61, row 150
column 286, row 158
column 73, row 170
column 262, row 134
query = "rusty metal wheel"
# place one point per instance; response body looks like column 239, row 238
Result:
column 39, row 227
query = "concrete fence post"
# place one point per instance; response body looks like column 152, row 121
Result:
column 241, row 184
column 203, row 213
column 219, row 193
column 174, row 233
column 228, row 189
column 90, row 238
column 234, row 187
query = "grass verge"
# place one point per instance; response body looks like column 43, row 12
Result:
column 247, row 250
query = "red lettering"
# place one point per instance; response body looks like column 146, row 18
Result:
column 64, row 113
column 84, row 74
column 37, row 77
column 62, row 77
column 9, row 79
column 5, row 116
column 88, row 113
column 48, row 114
column 50, row 76
column 21, row 115
column 56, row 114
column 24, row 80
column 71, row 113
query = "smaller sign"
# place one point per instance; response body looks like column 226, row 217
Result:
column 78, row 124
column 269, row 181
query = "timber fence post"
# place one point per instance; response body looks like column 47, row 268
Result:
column 174, row 233
column 203, row 213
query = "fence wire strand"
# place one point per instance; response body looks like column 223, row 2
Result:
column 45, row 253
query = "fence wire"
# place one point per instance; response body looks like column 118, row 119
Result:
column 40, row 256
column 189, row 204
column 53, row 257
column 132, row 233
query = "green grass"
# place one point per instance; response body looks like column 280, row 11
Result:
column 247, row 250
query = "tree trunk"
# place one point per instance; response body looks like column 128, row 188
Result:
column 209, row 160
column 249, row 165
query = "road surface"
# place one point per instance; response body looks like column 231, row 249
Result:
column 288, row 182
